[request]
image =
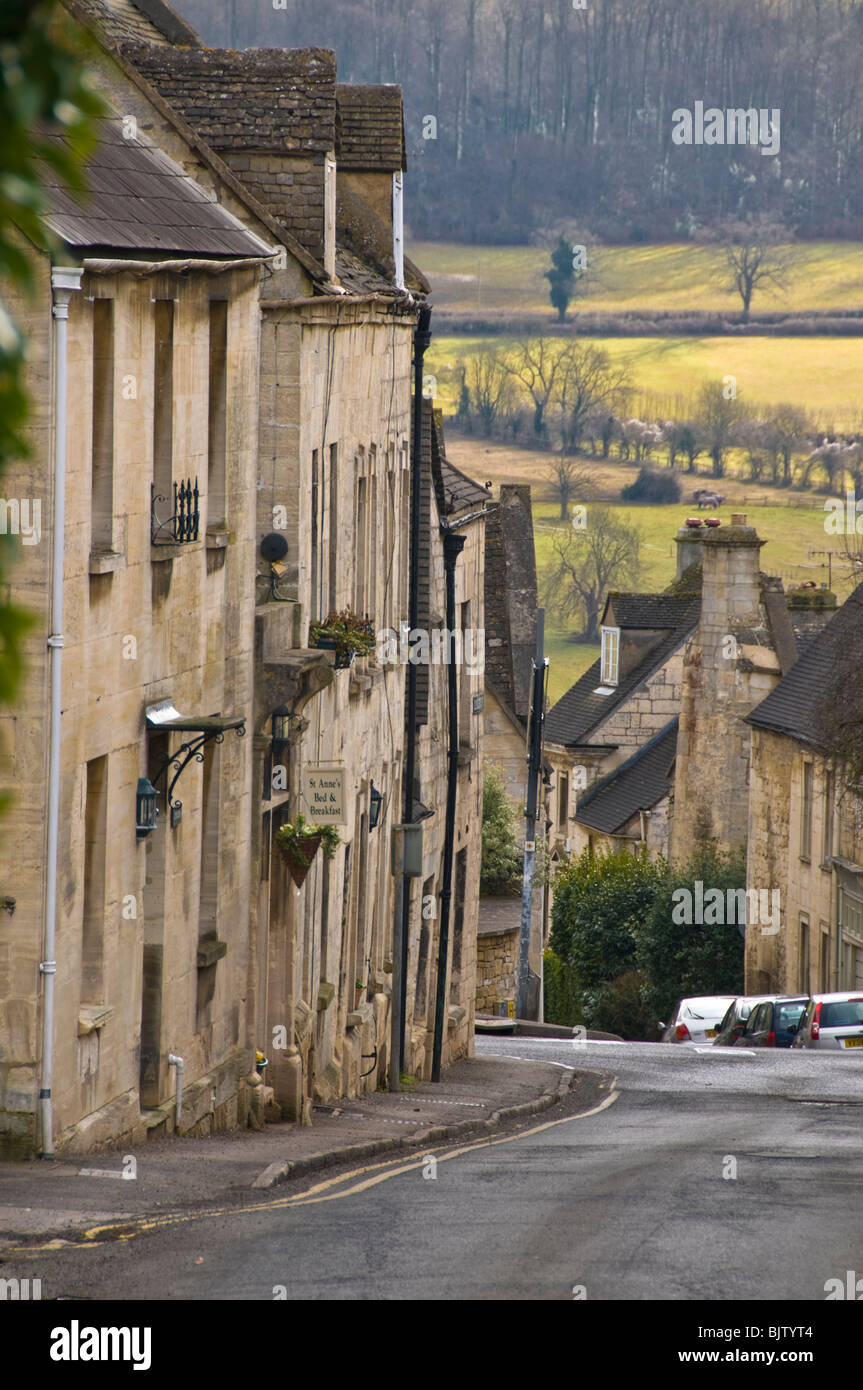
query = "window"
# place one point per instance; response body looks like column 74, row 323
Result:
column 163, row 400
column 95, row 840
column 806, row 814
column 102, row 476
column 610, row 655
column 334, row 527
column 563, row 801
column 360, row 522
column 829, row 808
column 315, row 542
column 218, row 396
column 804, row 954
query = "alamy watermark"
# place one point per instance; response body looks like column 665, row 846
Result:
column 734, row 126
column 718, row 907
column 21, row 518
column 420, row 646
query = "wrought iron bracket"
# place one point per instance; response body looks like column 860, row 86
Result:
column 193, row 748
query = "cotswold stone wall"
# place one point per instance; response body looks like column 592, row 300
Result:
column 496, row 970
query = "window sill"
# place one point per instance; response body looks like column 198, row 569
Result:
column 93, row 1017
column 171, row 549
column 218, row 538
column 107, row 561
column 209, row 951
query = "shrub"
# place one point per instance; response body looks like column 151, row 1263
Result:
column 681, row 959
column 620, row 1007
column 501, row 869
column 652, row 487
column 599, row 901
column 562, row 992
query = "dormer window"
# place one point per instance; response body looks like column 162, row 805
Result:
column 610, row 655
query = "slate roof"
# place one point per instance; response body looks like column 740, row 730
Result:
column 580, row 710
column 498, row 915
column 140, row 200
column 135, row 21
column 279, row 99
column 637, row 785
column 793, row 706
column 370, row 127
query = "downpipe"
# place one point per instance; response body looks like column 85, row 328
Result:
column 65, row 280
column 178, row 1111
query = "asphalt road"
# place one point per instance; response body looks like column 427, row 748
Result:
column 705, row 1175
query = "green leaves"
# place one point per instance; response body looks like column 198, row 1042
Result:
column 501, row 871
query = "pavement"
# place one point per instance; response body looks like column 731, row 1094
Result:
column 71, row 1194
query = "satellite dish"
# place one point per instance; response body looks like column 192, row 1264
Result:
column 274, row 547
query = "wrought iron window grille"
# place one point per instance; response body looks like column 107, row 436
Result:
column 186, row 517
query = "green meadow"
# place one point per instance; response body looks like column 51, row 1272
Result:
column 824, row 375
column 826, row 275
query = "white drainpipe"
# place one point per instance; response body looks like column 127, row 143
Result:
column 180, row 1065
column 399, row 229
column 65, row 280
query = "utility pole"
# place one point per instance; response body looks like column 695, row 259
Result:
column 527, row 1000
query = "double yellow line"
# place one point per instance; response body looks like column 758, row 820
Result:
column 330, row 1190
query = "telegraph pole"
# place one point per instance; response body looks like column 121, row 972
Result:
column 526, row 1006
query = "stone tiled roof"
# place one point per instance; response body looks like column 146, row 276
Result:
column 133, row 21
column 140, row 200
column 637, row 785
column 370, row 127
column 265, row 99
column 649, row 611
column 455, row 492
column 580, row 710
column 497, row 915
column 794, row 706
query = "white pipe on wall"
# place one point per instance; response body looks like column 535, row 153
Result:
column 65, row 280
column 178, row 1062
column 399, row 229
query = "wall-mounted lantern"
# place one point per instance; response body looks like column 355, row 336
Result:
column 146, row 811
column 281, row 728
column 375, row 803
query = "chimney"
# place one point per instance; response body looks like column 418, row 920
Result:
column 730, row 587
column 688, row 547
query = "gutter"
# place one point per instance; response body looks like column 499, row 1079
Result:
column 176, row 267
column 65, row 280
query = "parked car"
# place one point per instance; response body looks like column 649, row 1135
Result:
column 774, row 1022
column 832, row 1021
column 736, row 1018
column 696, row 1020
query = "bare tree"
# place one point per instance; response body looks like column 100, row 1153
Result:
column 587, row 380
column 537, row 363
column 587, row 563
column 489, row 386
column 719, row 416
column 570, row 481
column 756, row 255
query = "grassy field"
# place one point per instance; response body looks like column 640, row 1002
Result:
column 826, row 275
column 824, row 375
column 791, row 533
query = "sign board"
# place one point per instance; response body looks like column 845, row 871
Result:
column 478, row 702
column 323, row 794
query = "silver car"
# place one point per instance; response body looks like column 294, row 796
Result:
column 832, row 1021
column 696, row 1021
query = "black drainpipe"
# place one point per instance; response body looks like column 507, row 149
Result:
column 452, row 547
column 422, row 338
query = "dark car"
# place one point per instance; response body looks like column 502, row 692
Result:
column 774, row 1022
column 737, row 1018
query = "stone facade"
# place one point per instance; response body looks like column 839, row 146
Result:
column 193, row 940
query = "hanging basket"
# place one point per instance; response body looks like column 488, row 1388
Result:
column 298, row 854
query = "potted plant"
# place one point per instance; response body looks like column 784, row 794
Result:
column 344, row 633
column 359, row 991
column 299, row 842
